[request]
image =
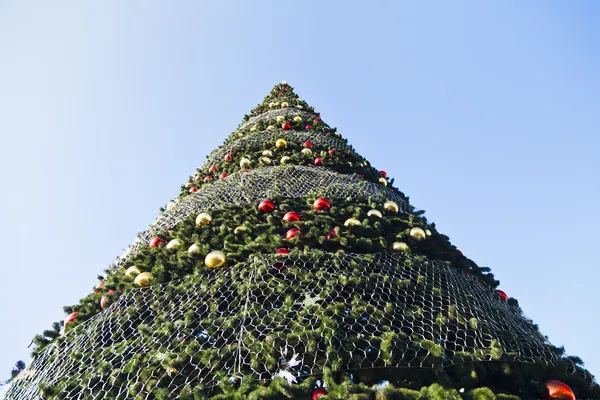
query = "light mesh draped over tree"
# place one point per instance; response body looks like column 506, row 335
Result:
column 288, row 267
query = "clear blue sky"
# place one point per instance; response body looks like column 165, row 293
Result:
column 486, row 113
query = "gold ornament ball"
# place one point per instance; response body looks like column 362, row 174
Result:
column 194, row 249
column 418, row 233
column 270, row 127
column 144, row 279
column 173, row 244
column 265, row 160
column 306, row 151
column 374, row 213
column 352, row 222
column 132, row 272
column 240, row 229
column 284, row 105
column 272, row 104
column 245, row 163
column 400, row 246
column 280, row 118
column 428, row 232
column 383, row 181
column 203, row 219
column 297, row 118
column 215, row 259
column 390, row 206
column 280, row 143
column 267, row 153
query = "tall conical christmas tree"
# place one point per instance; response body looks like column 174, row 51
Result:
column 289, row 267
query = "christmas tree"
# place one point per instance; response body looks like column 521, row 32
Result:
column 289, row 267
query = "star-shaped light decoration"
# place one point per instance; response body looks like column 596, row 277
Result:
column 310, row 300
column 286, row 366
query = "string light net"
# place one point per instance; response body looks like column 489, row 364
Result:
column 282, row 316
column 255, row 185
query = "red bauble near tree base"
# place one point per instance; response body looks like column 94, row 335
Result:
column 503, row 295
column 318, row 161
column 266, row 206
column 307, row 144
column 283, row 251
column 213, row 168
column 557, row 390
column 229, row 157
column 286, row 126
column 318, row 393
column 291, row 216
column 321, row 204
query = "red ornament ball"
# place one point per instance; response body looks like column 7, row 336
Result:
column 99, row 286
column 194, row 189
column 291, row 234
column 104, row 302
column 291, row 216
column 307, row 144
column 503, row 295
column 308, row 126
column 318, row 393
column 196, row 178
column 229, row 157
column 557, row 390
column 332, row 152
column 70, row 318
column 266, row 206
column 282, row 250
column 321, row 204
column 286, row 126
column 208, row 178
column 332, row 234
column 223, row 175
column 213, row 168
column 156, row 242
column 383, row 173
column 318, row 161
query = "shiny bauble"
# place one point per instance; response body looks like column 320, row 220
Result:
column 282, row 251
column 317, row 393
column 383, row 181
column 104, row 302
column 280, row 118
column 374, row 213
column 173, row 244
column 291, row 216
column 266, row 206
column 267, row 153
column 557, row 390
column 383, row 174
column 318, row 161
column 285, row 160
column 390, row 206
column 321, row 204
column 215, row 259
column 223, row 176
column 400, row 246
column 193, row 249
column 156, row 242
column 99, row 286
column 144, row 279
column 297, row 118
column 203, row 219
column 271, row 127
column 352, row 222
column 306, row 151
column 502, row 294
column 308, row 126
column 132, row 272
column 194, row 189
column 208, row 178
column 265, row 160
column 240, row 229
column 281, row 143
column 286, row 126
column 284, row 105
column 307, row 144
column 427, row 232
column 70, row 318
column 292, row 233
column 245, row 163
column 213, row 168
column 417, row 233
column 229, row 156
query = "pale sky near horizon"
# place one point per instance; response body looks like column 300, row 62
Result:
column 485, row 113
